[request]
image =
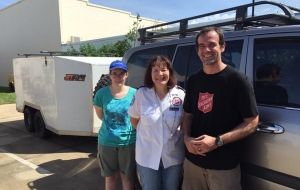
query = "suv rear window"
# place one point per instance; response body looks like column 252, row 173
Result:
column 276, row 71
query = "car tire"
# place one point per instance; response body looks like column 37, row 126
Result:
column 40, row 126
column 28, row 119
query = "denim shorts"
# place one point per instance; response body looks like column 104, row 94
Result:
column 117, row 159
column 163, row 178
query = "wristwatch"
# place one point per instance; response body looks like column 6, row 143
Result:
column 219, row 141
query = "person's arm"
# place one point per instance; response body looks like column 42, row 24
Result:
column 247, row 127
column 186, row 129
column 208, row 143
column 134, row 109
column 186, row 124
column 134, row 121
column 99, row 112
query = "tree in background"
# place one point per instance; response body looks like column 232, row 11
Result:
column 132, row 35
column 110, row 50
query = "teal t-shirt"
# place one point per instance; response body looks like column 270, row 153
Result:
column 116, row 129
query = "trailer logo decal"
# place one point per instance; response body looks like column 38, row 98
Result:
column 74, row 77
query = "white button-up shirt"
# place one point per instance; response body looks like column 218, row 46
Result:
column 158, row 130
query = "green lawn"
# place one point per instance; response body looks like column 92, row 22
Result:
column 6, row 96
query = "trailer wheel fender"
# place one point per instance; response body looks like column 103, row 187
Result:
column 39, row 126
column 28, row 119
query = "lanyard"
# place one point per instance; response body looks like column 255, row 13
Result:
column 165, row 123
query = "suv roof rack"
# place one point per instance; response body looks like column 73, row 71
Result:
column 242, row 21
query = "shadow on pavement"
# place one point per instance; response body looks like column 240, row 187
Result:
column 15, row 139
column 69, row 162
column 82, row 173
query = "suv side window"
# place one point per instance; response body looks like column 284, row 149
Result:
column 187, row 62
column 276, row 71
column 233, row 53
column 185, row 58
column 138, row 63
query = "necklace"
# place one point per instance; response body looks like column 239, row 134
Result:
column 165, row 123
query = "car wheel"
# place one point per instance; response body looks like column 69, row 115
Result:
column 39, row 126
column 28, row 119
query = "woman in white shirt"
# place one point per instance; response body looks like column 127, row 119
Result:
column 156, row 113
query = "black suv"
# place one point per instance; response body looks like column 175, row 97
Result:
column 265, row 47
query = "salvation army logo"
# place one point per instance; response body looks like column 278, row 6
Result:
column 176, row 101
column 205, row 102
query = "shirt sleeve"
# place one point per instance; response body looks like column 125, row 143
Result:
column 98, row 101
column 134, row 109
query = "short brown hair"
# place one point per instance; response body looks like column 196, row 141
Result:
column 148, row 82
column 209, row 29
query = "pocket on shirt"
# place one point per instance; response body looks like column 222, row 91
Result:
column 149, row 118
column 147, row 109
column 149, row 114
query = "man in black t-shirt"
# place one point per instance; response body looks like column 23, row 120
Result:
column 220, row 110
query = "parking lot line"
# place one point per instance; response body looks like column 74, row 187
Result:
column 38, row 169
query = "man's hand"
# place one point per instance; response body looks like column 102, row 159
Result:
column 204, row 144
column 200, row 145
column 189, row 143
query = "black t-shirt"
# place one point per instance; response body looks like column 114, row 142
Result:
column 218, row 102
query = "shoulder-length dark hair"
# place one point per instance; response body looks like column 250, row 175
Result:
column 161, row 60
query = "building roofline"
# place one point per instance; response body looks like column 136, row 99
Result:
column 98, row 6
column 119, row 10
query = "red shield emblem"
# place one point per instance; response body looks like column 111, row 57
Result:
column 205, row 102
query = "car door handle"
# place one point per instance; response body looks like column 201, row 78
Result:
column 270, row 128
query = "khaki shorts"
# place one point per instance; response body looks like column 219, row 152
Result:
column 195, row 178
column 117, row 159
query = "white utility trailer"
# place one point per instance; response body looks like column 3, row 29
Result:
column 55, row 93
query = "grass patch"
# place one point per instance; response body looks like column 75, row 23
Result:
column 6, row 96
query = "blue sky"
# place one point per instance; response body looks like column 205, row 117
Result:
column 168, row 10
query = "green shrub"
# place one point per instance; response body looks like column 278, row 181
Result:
column 6, row 96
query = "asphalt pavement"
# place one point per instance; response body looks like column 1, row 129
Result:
column 60, row 162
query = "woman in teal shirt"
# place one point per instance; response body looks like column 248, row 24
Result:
column 116, row 137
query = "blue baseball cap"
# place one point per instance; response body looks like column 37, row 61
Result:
column 118, row 65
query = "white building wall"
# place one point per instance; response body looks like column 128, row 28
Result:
column 27, row 26
column 79, row 18
column 30, row 26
